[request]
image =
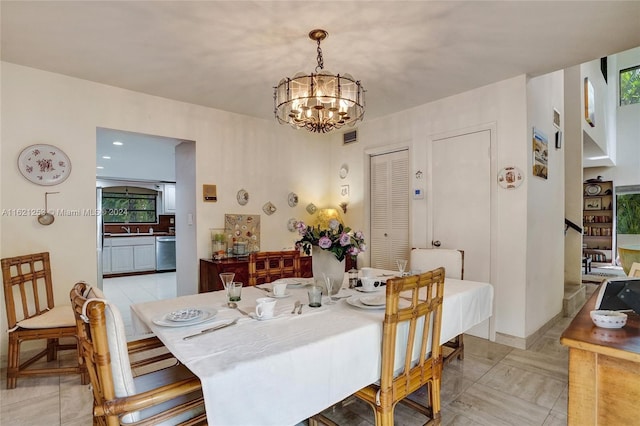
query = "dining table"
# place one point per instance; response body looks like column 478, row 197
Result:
column 283, row 370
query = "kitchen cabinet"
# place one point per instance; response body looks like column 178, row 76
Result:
column 106, row 256
column 131, row 254
column 597, row 220
column 169, row 198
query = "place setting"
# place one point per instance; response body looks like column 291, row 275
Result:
column 186, row 317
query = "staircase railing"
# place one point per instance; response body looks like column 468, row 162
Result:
column 568, row 224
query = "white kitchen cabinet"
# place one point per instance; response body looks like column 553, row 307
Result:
column 169, row 198
column 106, row 256
column 121, row 259
column 144, row 257
column 132, row 254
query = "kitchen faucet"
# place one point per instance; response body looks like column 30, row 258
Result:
column 128, row 229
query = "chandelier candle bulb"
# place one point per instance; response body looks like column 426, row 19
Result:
column 319, row 102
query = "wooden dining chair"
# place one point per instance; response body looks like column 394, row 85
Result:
column 166, row 396
column 452, row 260
column 411, row 351
column 268, row 266
column 32, row 315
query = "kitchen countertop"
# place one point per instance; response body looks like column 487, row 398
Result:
column 141, row 234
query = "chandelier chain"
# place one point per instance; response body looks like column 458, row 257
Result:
column 320, row 60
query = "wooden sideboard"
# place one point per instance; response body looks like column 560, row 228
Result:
column 604, row 370
column 211, row 269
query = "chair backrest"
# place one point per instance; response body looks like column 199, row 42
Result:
column 267, row 266
column 28, row 288
column 634, row 271
column 414, row 302
column 103, row 344
column 427, row 259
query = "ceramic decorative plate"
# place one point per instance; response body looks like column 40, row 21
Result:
column 311, row 208
column 593, row 189
column 344, row 171
column 292, row 199
column 243, row 197
column 510, row 177
column 44, row 164
column 291, row 224
column 269, row 208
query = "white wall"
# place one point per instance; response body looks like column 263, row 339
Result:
column 503, row 104
column 232, row 151
column 269, row 161
column 545, row 212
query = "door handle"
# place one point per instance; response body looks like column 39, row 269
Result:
column 435, row 243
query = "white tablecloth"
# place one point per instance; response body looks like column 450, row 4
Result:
column 282, row 371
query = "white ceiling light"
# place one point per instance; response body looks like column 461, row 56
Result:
column 320, row 101
column 118, row 143
column 106, row 157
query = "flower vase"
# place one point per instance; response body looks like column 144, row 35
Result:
column 324, row 263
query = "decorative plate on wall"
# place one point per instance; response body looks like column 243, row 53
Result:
column 243, row 197
column 292, row 199
column 291, row 224
column 510, row 177
column 269, row 208
column 311, row 208
column 44, row 164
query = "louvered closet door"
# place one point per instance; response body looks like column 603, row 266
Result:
column 389, row 209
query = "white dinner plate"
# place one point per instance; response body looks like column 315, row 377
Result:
column 379, row 300
column 207, row 314
column 375, row 289
column 284, row 296
column 186, row 314
column 356, row 303
column 294, row 282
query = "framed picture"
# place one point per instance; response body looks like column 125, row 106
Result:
column 593, row 203
column 589, row 103
column 344, row 190
column 556, row 118
column 540, row 154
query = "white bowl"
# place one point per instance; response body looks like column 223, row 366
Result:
column 609, row 319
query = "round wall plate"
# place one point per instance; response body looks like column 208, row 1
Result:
column 44, row 164
column 510, row 177
column 243, row 197
column 311, row 208
column 344, row 171
column 291, row 224
column 292, row 199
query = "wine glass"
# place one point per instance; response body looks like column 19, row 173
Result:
column 227, row 278
column 402, row 264
column 329, row 286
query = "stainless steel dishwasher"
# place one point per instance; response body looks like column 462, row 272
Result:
column 166, row 253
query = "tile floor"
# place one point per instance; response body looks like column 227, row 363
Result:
column 494, row 384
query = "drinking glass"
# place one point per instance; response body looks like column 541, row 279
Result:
column 329, row 286
column 227, row 278
column 234, row 291
column 402, row 264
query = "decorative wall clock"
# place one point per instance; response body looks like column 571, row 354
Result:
column 44, row 164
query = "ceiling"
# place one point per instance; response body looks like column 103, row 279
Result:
column 229, row 54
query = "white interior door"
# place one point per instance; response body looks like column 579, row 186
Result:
column 389, row 209
column 461, row 200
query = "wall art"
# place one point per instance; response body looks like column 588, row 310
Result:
column 243, row 228
column 540, row 154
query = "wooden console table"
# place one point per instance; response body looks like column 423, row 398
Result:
column 604, row 370
column 211, row 269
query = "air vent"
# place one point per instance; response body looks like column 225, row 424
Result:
column 350, row 137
